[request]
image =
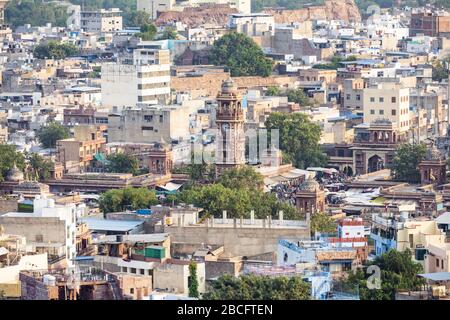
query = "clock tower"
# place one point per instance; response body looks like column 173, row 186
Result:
column 230, row 145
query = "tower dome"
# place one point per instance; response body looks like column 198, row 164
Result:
column 433, row 154
column 228, row 86
column 310, row 185
column 15, row 174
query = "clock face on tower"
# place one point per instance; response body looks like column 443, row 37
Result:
column 224, row 128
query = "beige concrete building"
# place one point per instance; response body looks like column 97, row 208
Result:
column 143, row 81
column 172, row 276
column 103, row 20
column 353, row 95
column 77, row 153
column 319, row 75
column 387, row 101
column 152, row 123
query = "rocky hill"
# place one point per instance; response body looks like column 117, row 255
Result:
column 331, row 10
column 215, row 14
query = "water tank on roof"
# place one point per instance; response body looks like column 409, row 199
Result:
column 49, row 280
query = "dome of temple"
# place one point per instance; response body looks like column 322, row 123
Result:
column 433, row 154
column 310, row 184
column 15, row 174
column 228, row 86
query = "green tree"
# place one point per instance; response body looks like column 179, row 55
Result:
column 116, row 200
column 122, row 163
column 54, row 50
column 8, row 157
column 398, row 272
column 52, row 132
column 147, row 32
column 169, row 33
column 138, row 18
column 255, row 287
column 241, row 178
column 335, row 63
column 35, row 12
column 241, row 55
column 193, row 281
column 321, row 222
column 273, row 91
column 299, row 138
column 40, row 166
column 238, row 202
column 298, row 96
column 405, row 164
column 440, row 69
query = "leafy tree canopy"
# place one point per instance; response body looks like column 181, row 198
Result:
column 52, row 132
column 405, row 164
column 54, row 50
column 35, row 12
column 241, row 55
column 147, row 32
column 255, row 287
column 169, row 33
column 242, row 178
column 122, row 163
column 9, row 156
column 299, row 138
column 116, row 200
column 321, row 222
column 398, row 272
column 40, row 166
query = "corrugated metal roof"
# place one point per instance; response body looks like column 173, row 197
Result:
column 436, row 276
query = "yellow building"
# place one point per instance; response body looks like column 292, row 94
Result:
column 77, row 153
column 387, row 101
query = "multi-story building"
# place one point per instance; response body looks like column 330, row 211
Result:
column 400, row 232
column 49, row 228
column 143, row 81
column 152, row 7
column 100, row 21
column 77, row 153
column 387, row 101
column 431, row 24
column 353, row 95
column 254, row 24
column 149, row 124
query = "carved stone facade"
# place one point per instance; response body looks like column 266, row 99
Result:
column 230, row 145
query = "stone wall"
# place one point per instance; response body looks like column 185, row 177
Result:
column 8, row 205
column 215, row 269
column 236, row 241
column 210, row 84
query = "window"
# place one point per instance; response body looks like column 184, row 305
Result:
column 372, row 111
column 437, row 262
column 381, row 99
column 348, row 97
column 142, row 271
column 132, row 290
column 161, row 118
column 372, row 99
column 394, row 112
column 358, row 97
column 133, row 270
column 393, row 99
column 381, row 112
column 148, row 118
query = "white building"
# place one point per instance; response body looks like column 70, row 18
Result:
column 145, row 81
column 253, row 24
column 49, row 228
column 152, row 7
column 103, row 20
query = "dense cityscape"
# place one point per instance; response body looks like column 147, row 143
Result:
column 224, row 150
